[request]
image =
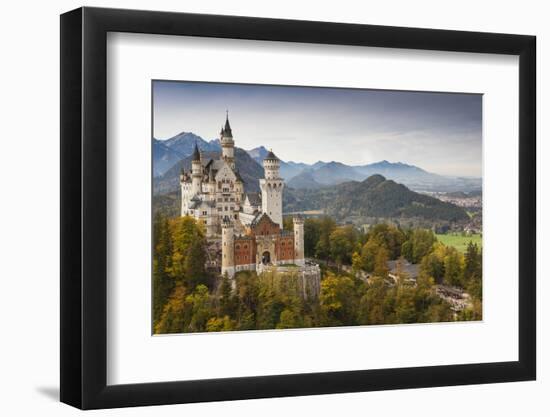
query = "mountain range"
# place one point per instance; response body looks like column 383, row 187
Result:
column 171, row 154
column 249, row 170
column 354, row 201
column 166, row 153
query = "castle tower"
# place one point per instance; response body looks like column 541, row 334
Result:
column 186, row 195
column 211, row 185
column 228, row 145
column 196, row 172
column 299, row 258
column 228, row 249
column 272, row 189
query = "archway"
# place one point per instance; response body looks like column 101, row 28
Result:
column 266, row 258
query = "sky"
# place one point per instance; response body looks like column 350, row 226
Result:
column 439, row 132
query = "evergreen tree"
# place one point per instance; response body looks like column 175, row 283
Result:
column 163, row 284
column 381, row 263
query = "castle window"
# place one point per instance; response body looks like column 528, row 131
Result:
column 204, row 213
column 235, row 217
column 237, row 246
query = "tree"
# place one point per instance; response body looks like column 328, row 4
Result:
column 163, row 284
column 405, row 307
column 322, row 248
column 453, row 268
column 381, row 263
column 407, row 250
column 372, row 307
column 172, row 319
column 201, row 312
column 338, row 300
column 432, row 266
column 473, row 270
column 247, row 292
column 312, row 233
column 342, row 242
column 356, row 262
column 220, row 324
column 289, row 319
column 368, row 255
column 226, row 303
column 419, row 245
column 388, row 236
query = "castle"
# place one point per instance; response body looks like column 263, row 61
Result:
column 250, row 224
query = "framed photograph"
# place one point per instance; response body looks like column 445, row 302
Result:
column 256, row 208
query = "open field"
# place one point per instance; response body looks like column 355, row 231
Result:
column 458, row 241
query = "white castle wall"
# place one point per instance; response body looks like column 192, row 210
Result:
column 228, row 250
column 299, row 258
column 272, row 191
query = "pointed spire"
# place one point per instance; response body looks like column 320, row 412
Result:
column 227, row 129
column 271, row 156
column 196, row 153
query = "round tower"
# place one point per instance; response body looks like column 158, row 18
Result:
column 196, row 171
column 228, row 248
column 185, row 184
column 228, row 145
column 272, row 189
column 299, row 258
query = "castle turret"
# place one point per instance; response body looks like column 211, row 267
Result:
column 196, row 171
column 228, row 249
column 211, row 184
column 228, row 145
column 185, row 184
column 299, row 258
column 272, row 189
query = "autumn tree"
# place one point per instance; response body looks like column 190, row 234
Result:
column 388, row 236
column 163, row 283
column 453, row 268
column 172, row 319
column 372, row 306
column 473, row 270
column 418, row 245
column 322, row 248
column 338, row 300
column 342, row 243
column 381, row 263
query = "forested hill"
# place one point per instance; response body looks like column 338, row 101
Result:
column 374, row 197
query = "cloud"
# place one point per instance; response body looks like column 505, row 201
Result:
column 440, row 132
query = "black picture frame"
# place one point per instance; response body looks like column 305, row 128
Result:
column 84, row 207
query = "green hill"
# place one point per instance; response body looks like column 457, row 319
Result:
column 374, row 197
